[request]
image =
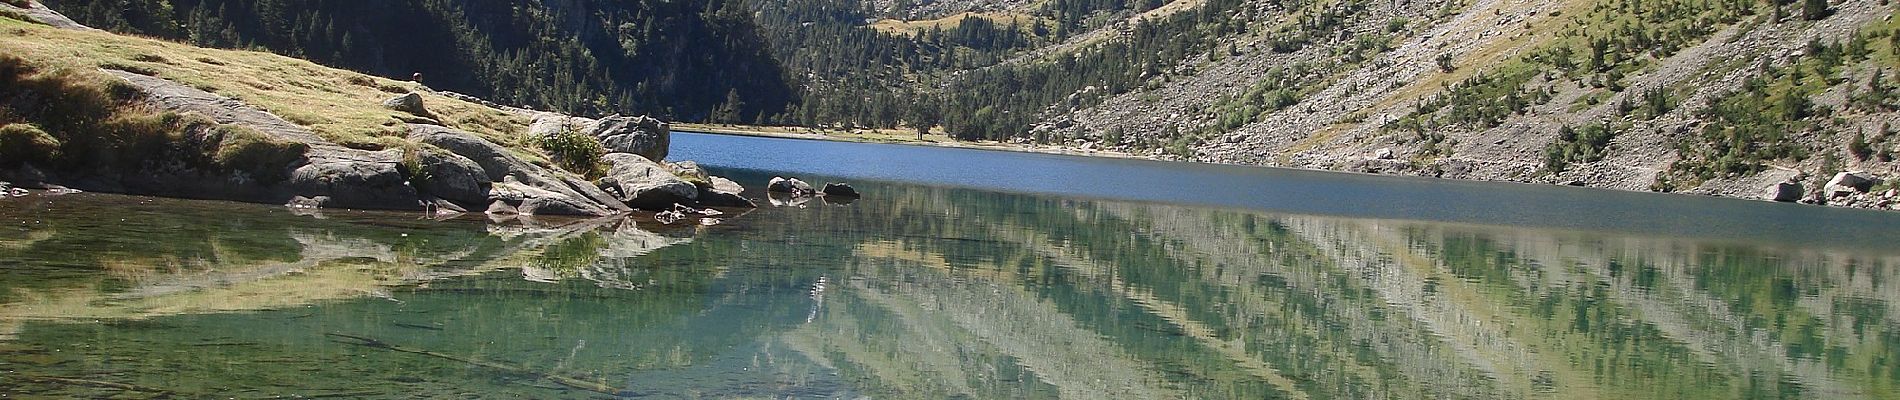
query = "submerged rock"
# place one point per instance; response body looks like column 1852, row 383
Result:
column 791, row 186
column 840, row 189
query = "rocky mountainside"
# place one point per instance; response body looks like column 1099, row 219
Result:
column 92, row 110
column 1728, row 97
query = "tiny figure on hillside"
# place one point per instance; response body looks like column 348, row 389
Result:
column 417, row 77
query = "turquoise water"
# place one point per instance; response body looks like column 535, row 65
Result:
column 939, row 285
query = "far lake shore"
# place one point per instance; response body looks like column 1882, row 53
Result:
column 893, row 136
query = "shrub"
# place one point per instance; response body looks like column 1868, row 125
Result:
column 265, row 158
column 575, row 152
column 23, row 143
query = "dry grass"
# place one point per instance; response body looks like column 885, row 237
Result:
column 341, row 106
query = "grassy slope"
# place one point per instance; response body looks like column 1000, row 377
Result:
column 341, row 106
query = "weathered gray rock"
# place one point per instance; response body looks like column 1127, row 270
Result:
column 690, row 172
column 38, row 12
column 409, row 103
column 354, row 178
column 550, row 124
column 840, row 189
column 788, row 185
column 724, row 193
column 529, row 200
column 500, row 207
column 1859, row 181
column 451, row 177
column 556, row 192
column 644, row 184
column 642, row 135
column 1787, row 191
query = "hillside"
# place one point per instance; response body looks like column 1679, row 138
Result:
column 97, row 111
column 1725, row 97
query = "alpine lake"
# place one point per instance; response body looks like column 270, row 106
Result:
column 964, row 274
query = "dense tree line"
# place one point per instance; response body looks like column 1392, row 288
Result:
column 673, row 58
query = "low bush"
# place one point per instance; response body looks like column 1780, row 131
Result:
column 575, row 152
column 265, row 158
column 26, row 143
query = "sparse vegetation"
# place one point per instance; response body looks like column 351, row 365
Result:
column 1578, row 145
column 352, row 114
column 575, row 152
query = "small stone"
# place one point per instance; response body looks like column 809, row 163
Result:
column 307, row 202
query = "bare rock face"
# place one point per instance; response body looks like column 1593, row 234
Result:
column 532, row 189
column 642, row 135
column 355, row 179
column 451, row 177
column 644, row 184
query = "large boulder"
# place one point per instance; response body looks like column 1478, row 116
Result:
column 410, row 103
column 550, row 124
column 641, row 183
column 1858, row 181
column 642, row 135
column 451, row 177
column 691, row 172
column 503, row 166
column 530, row 200
column 354, row 179
column 1786, row 191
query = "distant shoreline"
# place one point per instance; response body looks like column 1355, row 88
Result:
column 893, row 136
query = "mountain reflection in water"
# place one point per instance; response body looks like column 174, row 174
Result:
column 920, row 292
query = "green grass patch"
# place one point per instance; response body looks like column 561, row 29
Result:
column 242, row 149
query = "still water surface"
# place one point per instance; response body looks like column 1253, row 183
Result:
column 939, row 285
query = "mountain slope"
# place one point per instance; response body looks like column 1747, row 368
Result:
column 1718, row 97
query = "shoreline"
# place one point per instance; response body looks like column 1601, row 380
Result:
column 904, row 137
column 898, row 137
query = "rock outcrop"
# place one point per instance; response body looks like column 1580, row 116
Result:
column 644, row 184
column 641, row 135
column 530, row 188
